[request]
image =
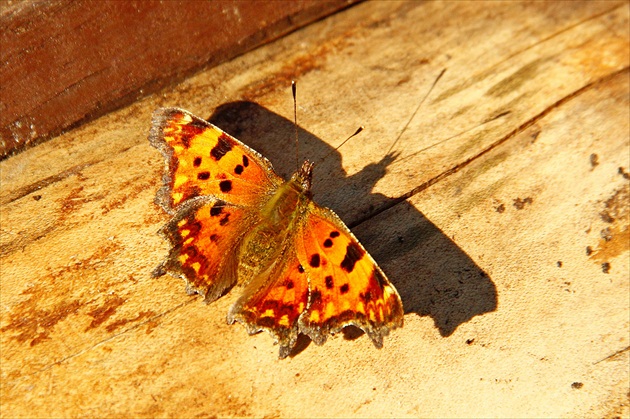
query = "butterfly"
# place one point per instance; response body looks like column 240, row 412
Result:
column 235, row 221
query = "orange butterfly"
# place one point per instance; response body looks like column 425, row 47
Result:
column 235, row 221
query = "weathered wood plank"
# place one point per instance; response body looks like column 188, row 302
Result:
column 501, row 186
column 65, row 62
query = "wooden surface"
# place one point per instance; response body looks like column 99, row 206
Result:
column 64, row 62
column 501, row 216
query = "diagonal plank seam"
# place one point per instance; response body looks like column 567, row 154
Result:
column 619, row 352
column 508, row 136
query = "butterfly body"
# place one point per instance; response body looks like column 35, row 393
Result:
column 235, row 222
column 276, row 217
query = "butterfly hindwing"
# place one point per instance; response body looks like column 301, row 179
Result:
column 203, row 234
column 203, row 160
column 346, row 286
column 274, row 302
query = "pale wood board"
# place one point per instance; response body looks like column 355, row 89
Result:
column 510, row 167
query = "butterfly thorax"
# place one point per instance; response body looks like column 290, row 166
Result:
column 277, row 218
column 303, row 177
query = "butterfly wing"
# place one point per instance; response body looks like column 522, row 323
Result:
column 274, row 301
column 203, row 236
column 326, row 282
column 346, row 286
column 203, row 160
column 212, row 185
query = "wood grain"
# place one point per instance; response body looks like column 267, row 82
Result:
column 499, row 211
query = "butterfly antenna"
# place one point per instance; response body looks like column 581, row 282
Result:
column 416, row 111
column 361, row 128
column 297, row 143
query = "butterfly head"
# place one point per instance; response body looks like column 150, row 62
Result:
column 304, row 176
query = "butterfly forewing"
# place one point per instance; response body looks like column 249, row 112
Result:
column 203, row 160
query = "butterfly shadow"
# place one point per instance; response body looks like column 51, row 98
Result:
column 433, row 275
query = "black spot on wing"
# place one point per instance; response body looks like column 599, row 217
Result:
column 328, row 243
column 287, row 308
column 245, row 161
column 197, row 162
column 198, row 124
column 269, row 322
column 225, row 186
column 334, row 234
column 329, row 282
column 354, row 253
column 344, row 288
column 314, row 262
column 216, row 210
column 238, row 169
column 191, row 251
column 203, row 175
column 193, row 227
column 224, row 145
